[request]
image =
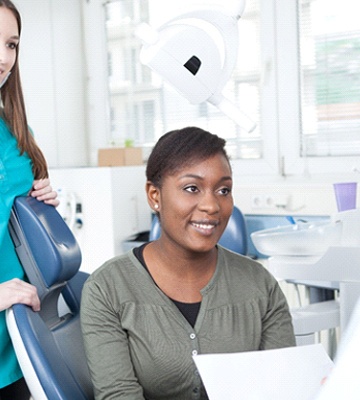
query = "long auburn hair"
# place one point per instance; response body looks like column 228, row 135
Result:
column 14, row 110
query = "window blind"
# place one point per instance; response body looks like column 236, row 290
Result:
column 329, row 48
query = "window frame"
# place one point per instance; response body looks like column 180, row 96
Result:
column 292, row 163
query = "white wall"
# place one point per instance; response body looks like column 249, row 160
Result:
column 114, row 207
column 52, row 70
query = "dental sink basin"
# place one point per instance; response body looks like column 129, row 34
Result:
column 302, row 239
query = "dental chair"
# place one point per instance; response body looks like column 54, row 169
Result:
column 234, row 237
column 49, row 343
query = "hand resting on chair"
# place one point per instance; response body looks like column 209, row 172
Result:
column 18, row 291
column 43, row 191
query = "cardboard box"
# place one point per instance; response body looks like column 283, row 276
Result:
column 120, row 156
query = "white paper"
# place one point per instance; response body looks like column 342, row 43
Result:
column 294, row 373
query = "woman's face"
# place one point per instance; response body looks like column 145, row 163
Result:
column 195, row 204
column 9, row 40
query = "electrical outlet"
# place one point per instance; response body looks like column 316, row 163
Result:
column 257, row 201
column 269, row 201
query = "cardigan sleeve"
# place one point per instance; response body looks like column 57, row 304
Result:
column 106, row 344
column 277, row 323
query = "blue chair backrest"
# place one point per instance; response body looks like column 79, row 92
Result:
column 53, row 342
column 234, row 237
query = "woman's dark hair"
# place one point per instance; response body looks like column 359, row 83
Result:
column 179, row 147
column 14, row 109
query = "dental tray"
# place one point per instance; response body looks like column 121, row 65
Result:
column 302, row 239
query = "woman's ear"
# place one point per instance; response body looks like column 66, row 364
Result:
column 153, row 196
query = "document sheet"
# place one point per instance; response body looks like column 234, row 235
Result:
column 295, row 373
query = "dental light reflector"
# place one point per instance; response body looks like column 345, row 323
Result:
column 196, row 53
column 193, row 65
column 169, row 55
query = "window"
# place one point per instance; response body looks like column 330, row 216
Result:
column 143, row 107
column 330, row 77
column 296, row 76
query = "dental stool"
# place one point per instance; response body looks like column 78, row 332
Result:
column 49, row 343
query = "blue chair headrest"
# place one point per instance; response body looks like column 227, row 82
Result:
column 53, row 246
column 235, row 235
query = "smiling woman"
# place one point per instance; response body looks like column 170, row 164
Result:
column 190, row 181
column 147, row 312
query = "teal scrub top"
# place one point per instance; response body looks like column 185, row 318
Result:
column 16, row 179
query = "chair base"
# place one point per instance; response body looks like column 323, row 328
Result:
column 315, row 317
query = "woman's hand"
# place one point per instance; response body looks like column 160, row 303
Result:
column 43, row 191
column 17, row 291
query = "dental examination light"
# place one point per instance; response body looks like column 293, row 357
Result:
column 196, row 53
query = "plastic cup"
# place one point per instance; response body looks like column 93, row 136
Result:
column 345, row 194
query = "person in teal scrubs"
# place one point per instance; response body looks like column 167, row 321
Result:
column 23, row 171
